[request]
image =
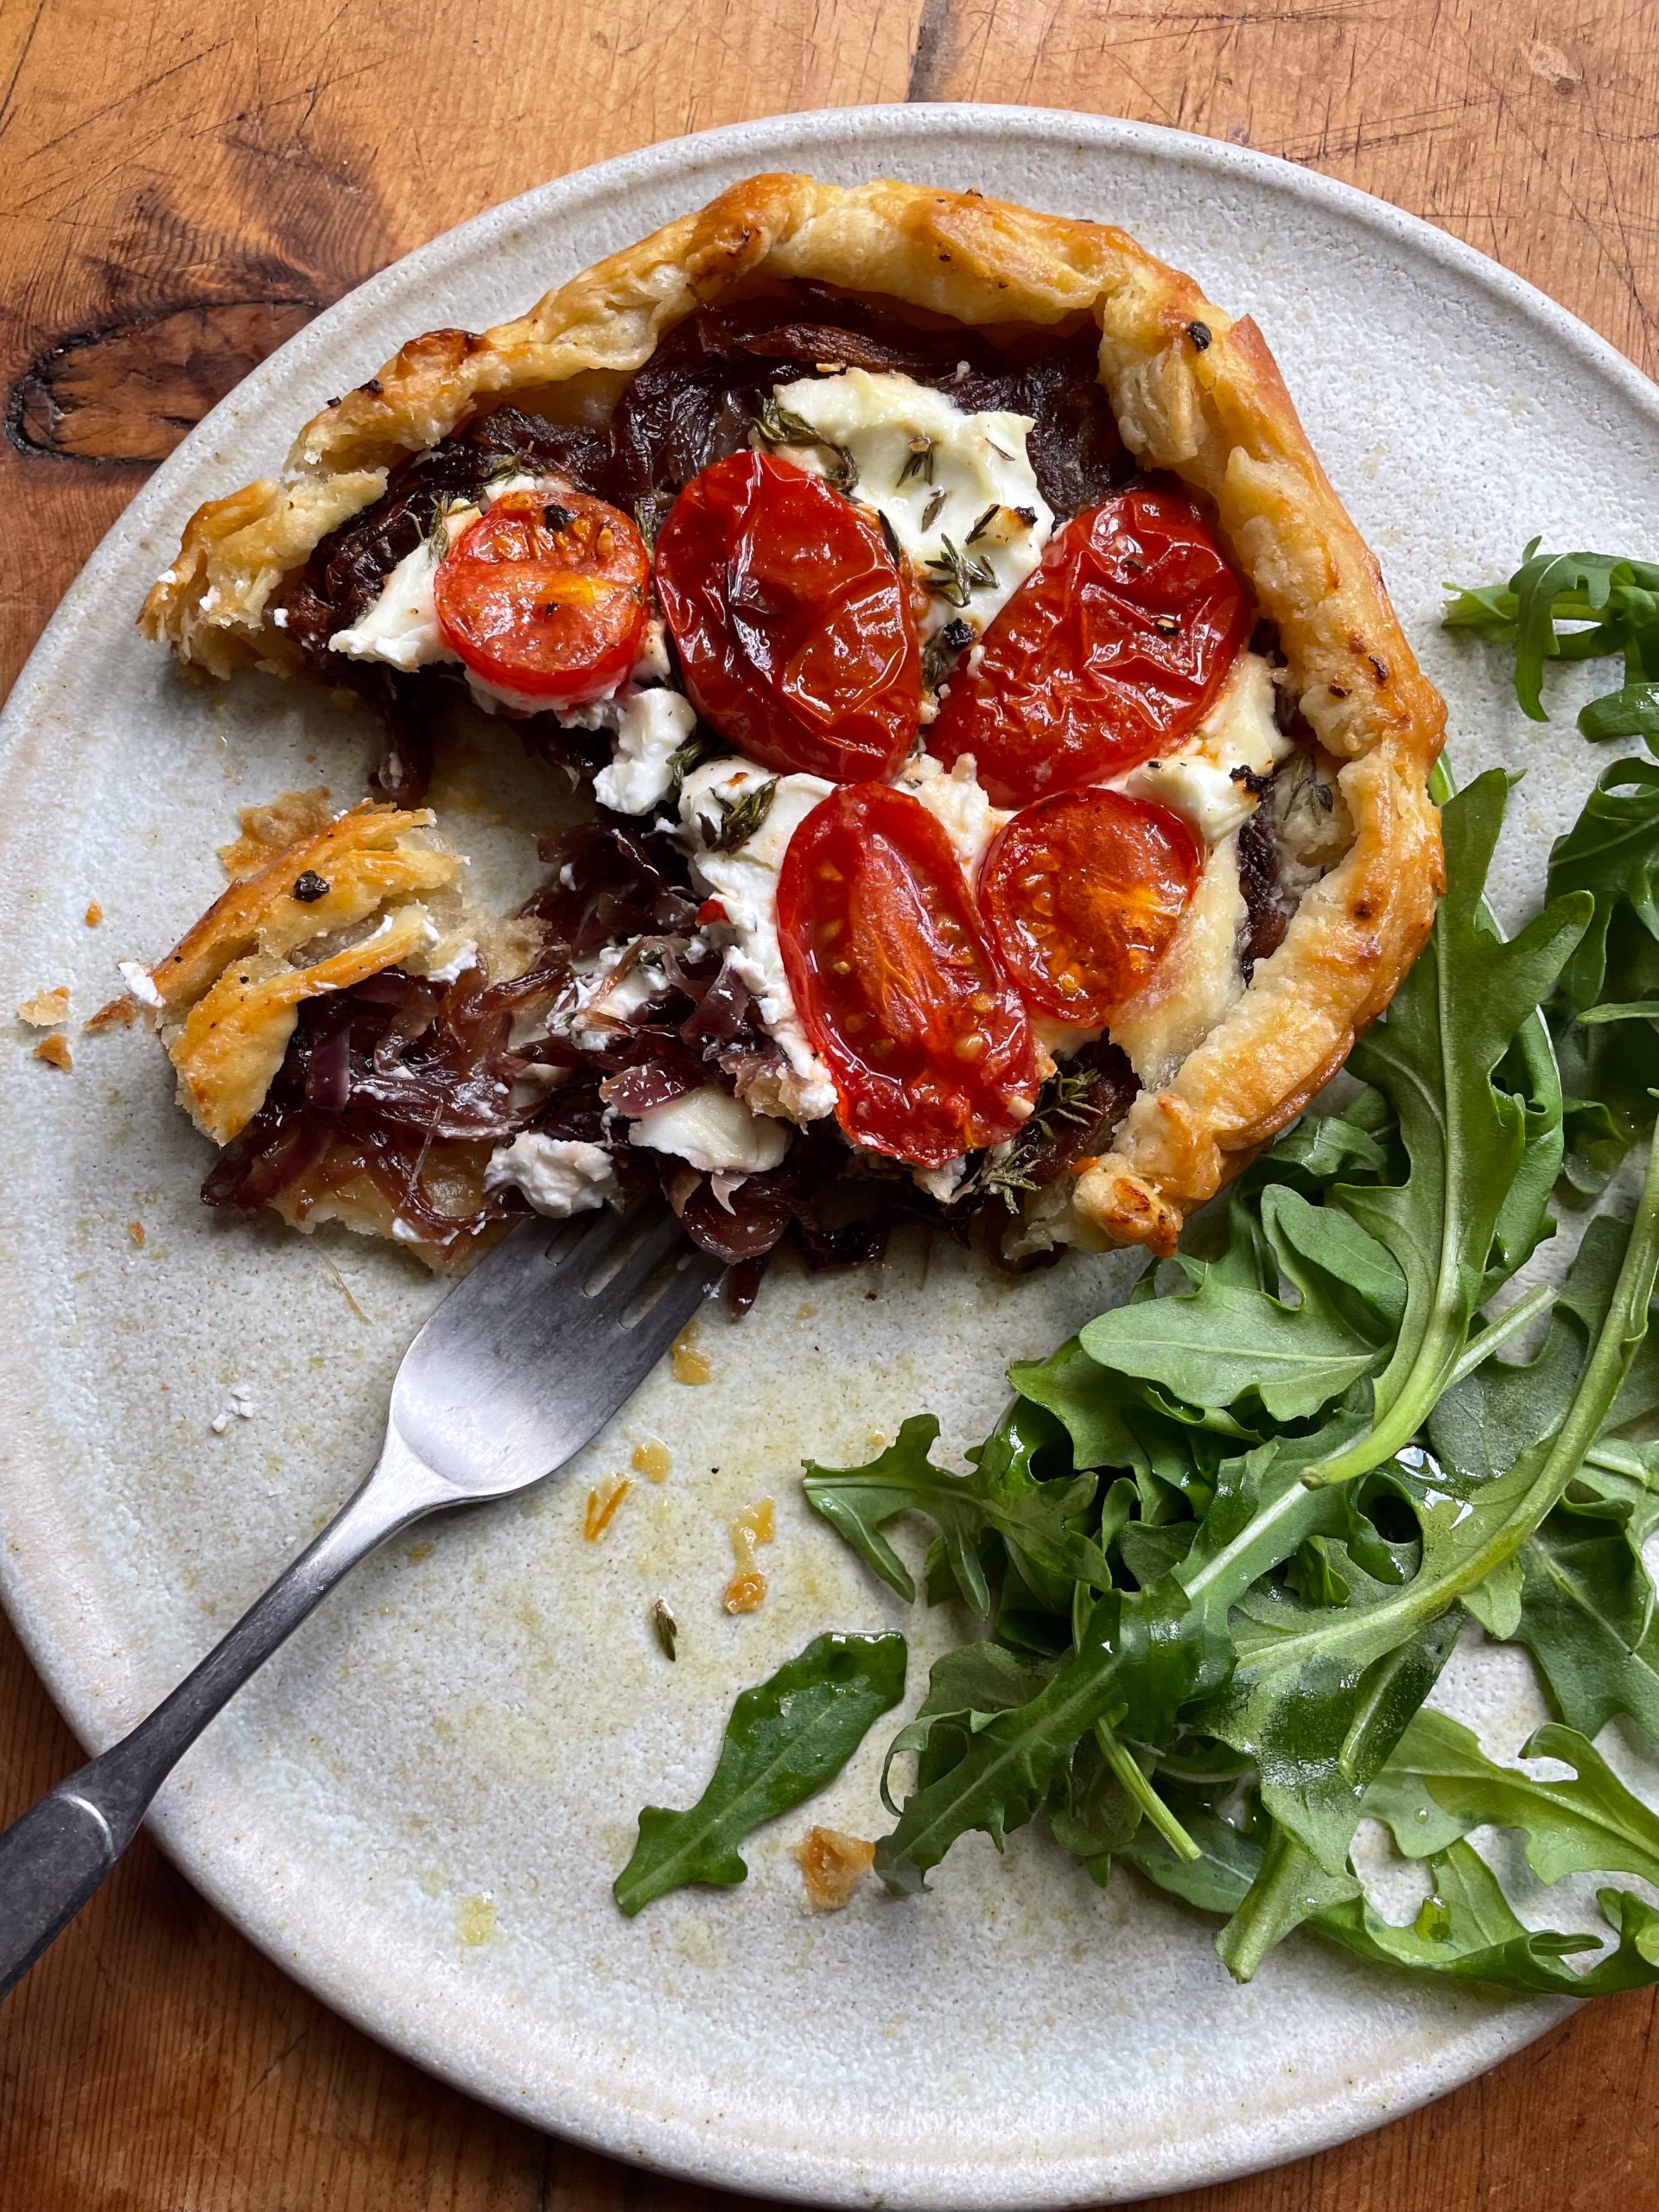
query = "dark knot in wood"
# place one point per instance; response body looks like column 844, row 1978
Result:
column 127, row 394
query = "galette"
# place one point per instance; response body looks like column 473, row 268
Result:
column 1006, row 777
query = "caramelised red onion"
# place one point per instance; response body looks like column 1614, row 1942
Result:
column 694, row 400
column 721, row 1010
column 761, row 1210
column 639, row 1089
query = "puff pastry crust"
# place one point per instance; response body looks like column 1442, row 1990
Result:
column 337, row 906
column 1195, row 392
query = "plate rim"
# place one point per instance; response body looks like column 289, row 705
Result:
column 679, row 2145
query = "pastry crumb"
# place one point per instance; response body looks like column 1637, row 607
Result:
column 746, row 1590
column 475, row 1920
column 690, row 1365
column 119, row 1013
column 94, row 913
column 54, row 1050
column 135, row 1230
column 46, row 1009
column 652, row 1457
column 267, row 829
column 601, row 1507
column 832, row 1866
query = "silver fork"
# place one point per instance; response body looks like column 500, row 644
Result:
column 521, row 1365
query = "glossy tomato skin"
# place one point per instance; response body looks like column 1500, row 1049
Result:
column 795, row 632
column 1082, row 894
column 545, row 596
column 1111, row 652
column 897, row 985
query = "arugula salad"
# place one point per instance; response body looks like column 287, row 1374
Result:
column 1215, row 1556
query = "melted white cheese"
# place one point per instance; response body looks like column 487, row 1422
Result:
column 560, row 1176
column 942, row 1183
column 713, row 1132
column 933, row 470
column 956, row 799
column 402, row 627
column 1195, row 984
column 746, row 883
column 1205, row 781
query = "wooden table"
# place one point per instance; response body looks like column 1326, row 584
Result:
column 185, row 184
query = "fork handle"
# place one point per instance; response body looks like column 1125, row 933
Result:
column 60, row 1851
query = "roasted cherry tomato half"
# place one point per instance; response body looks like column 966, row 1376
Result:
column 796, row 630
column 900, row 991
column 1111, row 652
column 1083, row 894
column 545, row 595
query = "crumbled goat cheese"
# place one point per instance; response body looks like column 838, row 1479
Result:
column 651, row 727
column 934, row 471
column 745, row 881
column 942, row 1182
column 713, row 1131
column 139, row 983
column 559, row 1176
column 599, row 989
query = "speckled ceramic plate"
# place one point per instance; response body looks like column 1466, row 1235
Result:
column 418, row 1809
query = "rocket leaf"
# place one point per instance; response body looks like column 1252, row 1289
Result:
column 786, row 1737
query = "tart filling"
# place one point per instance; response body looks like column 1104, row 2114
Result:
column 948, row 687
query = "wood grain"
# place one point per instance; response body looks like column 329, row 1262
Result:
column 183, row 185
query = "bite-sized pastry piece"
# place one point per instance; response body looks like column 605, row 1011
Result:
column 1010, row 773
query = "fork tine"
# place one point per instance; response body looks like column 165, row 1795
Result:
column 519, row 1366
column 640, row 1265
column 599, row 1233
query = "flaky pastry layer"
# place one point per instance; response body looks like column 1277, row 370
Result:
column 1195, row 392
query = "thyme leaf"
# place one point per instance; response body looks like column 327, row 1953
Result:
column 665, row 1627
column 690, row 753
column 918, row 463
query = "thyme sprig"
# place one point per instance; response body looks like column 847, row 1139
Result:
column 690, row 753
column 1066, row 1098
column 955, row 575
column 740, row 819
column 780, row 426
